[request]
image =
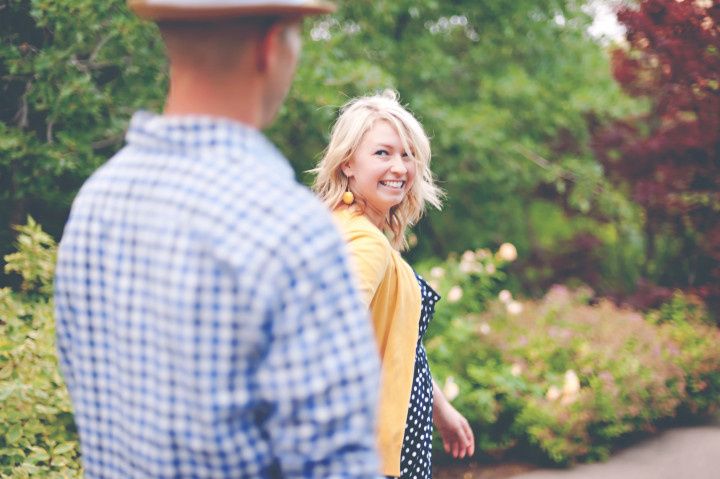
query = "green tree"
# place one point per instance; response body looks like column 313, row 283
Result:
column 71, row 72
column 503, row 88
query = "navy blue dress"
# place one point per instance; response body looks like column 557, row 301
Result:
column 416, row 455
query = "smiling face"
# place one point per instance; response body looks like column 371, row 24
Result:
column 380, row 172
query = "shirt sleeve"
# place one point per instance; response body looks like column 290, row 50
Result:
column 370, row 260
column 320, row 377
column 63, row 316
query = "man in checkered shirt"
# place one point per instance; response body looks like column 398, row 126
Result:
column 207, row 324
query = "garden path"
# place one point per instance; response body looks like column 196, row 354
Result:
column 691, row 452
column 679, row 453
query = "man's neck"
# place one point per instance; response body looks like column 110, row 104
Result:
column 194, row 95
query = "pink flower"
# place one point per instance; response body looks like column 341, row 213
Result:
column 505, row 296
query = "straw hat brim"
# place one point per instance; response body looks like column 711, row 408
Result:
column 167, row 11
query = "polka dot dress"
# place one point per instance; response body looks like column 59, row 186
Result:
column 416, row 455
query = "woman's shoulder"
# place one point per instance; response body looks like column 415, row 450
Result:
column 355, row 226
column 369, row 246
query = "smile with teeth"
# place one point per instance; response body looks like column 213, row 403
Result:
column 393, row 183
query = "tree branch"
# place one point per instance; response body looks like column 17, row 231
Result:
column 547, row 165
column 105, row 142
column 21, row 117
column 98, row 47
column 49, row 131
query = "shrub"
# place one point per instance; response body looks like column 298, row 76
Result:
column 685, row 321
column 564, row 379
column 39, row 437
column 466, row 282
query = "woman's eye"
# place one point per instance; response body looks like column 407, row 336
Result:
column 381, row 153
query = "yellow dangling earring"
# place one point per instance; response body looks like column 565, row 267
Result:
column 348, row 198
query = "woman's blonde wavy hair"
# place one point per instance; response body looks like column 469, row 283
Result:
column 356, row 118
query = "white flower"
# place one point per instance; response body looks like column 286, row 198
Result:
column 505, row 296
column 451, row 390
column 455, row 294
column 516, row 370
column 706, row 4
column 468, row 263
column 507, row 252
column 467, row 267
column 568, row 399
column 572, row 383
column 490, row 268
column 552, row 394
column 484, row 328
column 437, row 272
column 514, row 307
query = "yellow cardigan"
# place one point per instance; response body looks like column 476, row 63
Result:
column 392, row 294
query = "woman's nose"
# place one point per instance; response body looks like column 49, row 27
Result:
column 398, row 165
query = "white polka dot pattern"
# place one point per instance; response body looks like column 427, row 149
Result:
column 416, row 455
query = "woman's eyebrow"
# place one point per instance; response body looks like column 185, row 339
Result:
column 388, row 146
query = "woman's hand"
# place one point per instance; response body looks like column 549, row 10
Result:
column 457, row 437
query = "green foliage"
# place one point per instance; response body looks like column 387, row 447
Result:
column 39, row 437
column 71, row 73
column 504, row 89
column 687, row 323
column 580, row 249
column 467, row 283
column 564, row 379
column 34, row 260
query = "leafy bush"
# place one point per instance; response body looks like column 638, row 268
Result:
column 686, row 322
column 562, row 378
column 39, row 437
column 466, row 282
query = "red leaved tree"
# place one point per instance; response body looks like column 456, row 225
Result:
column 670, row 158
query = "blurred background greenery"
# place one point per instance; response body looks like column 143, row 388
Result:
column 505, row 89
column 593, row 160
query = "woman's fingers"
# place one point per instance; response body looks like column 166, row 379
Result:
column 457, row 436
column 470, row 444
column 462, row 440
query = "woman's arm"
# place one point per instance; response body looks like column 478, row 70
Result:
column 457, row 437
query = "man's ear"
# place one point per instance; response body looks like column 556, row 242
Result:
column 268, row 46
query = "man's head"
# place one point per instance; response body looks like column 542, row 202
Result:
column 233, row 58
column 197, row 10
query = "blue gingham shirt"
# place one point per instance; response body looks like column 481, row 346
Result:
column 207, row 324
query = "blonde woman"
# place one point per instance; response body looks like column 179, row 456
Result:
column 375, row 176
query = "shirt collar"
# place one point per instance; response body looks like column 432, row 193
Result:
column 185, row 134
